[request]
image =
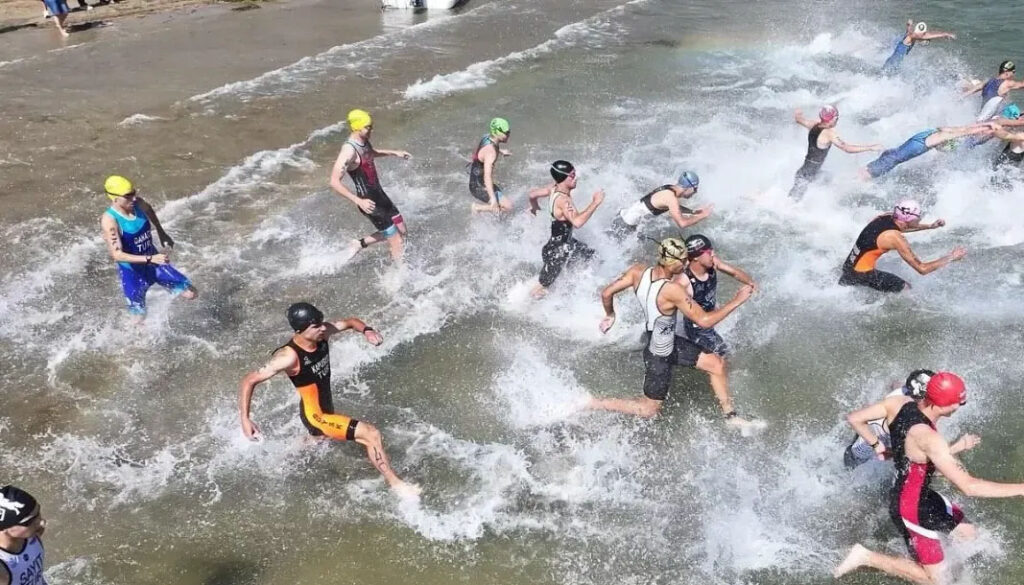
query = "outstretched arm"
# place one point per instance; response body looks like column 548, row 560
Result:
column 371, row 334
column 398, row 153
column 939, row 453
column 922, row 268
column 579, row 218
column 799, row 118
column 855, row 148
column 692, row 311
column 693, row 216
column 283, row 359
column 932, row 35
column 620, row 284
column 735, row 272
column 538, row 193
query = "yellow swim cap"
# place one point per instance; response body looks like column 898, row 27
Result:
column 118, row 186
column 359, row 119
column 671, row 251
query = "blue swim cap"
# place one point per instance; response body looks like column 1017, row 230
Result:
column 689, row 179
column 1011, row 112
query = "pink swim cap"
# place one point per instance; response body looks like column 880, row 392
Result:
column 907, row 210
column 828, row 113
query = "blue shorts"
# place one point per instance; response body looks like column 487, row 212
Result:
column 912, row 148
column 137, row 278
column 57, row 6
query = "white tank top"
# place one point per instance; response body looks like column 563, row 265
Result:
column 635, row 213
column 26, row 567
column 661, row 327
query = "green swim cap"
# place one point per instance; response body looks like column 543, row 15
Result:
column 499, row 126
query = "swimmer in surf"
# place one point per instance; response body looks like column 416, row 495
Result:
column 914, row 34
column 481, row 169
column 821, row 136
column 885, row 233
column 661, row 298
column 127, row 227
column 21, row 529
column 919, row 144
column 306, row 360
column 995, row 90
column 357, row 159
column 664, row 199
column 1013, row 152
column 920, row 513
column 860, row 451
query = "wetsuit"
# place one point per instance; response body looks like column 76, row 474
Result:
column 137, row 238
column 561, row 247
column 859, row 268
column 899, row 52
column 385, row 216
column 914, row 147
column 990, row 98
column 705, row 293
column 663, row 349
column 24, row 567
column 476, row 174
column 812, row 163
column 316, row 406
column 918, row 512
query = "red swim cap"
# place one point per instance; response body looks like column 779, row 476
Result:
column 946, row 389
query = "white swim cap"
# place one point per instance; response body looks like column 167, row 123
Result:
column 921, row 28
column 907, row 210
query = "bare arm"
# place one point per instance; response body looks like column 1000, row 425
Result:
column 282, row 360
column 579, row 218
column 345, row 158
column 488, row 158
column 539, row 193
column 693, row 216
column 385, row 152
column 1003, row 134
column 799, row 118
column 735, row 272
column 929, row 36
column 939, row 453
column 112, row 237
column 854, row 148
column 620, row 284
column 371, row 334
column 692, row 311
column 974, row 89
column 859, row 420
column 165, row 240
column 903, row 248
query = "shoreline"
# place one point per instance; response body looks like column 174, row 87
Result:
column 18, row 15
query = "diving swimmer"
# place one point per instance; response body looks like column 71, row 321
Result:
column 885, row 233
column 21, row 530
column 357, row 159
column 914, row 33
column 306, row 360
column 127, row 229
column 995, row 90
column 661, row 298
column 917, row 145
column 919, row 513
column 481, row 170
column 821, row 136
column 664, row 199
column 562, row 248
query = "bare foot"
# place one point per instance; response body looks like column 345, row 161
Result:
column 964, row 532
column 406, row 490
column 746, row 427
column 855, row 559
column 539, row 292
column 64, row 33
column 351, row 250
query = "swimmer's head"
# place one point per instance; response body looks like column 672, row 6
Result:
column 699, row 249
column 946, row 389
column 920, row 28
column 1007, row 67
column 359, row 120
column 828, row 115
column 499, row 127
column 907, row 211
column 304, row 316
column 672, row 254
column 20, row 515
column 690, row 182
column 117, row 186
column 563, row 171
column 1011, row 112
column 917, row 383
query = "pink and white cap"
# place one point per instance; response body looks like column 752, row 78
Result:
column 907, row 210
column 828, row 113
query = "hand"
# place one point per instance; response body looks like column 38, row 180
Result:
column 250, row 430
column 952, row 36
column 877, row 148
column 880, row 450
column 366, row 205
column 958, row 253
column 606, row 323
column 744, row 293
column 756, row 289
column 703, row 212
column 969, row 442
column 938, row 223
column 599, row 196
column 505, row 152
column 166, row 241
column 373, row 337
column 158, row 259
column 403, row 154
column 534, row 208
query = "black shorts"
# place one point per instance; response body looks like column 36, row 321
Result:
column 557, row 254
column 385, row 215
column 805, row 175
column 658, row 369
column 479, row 192
column 709, row 340
column 876, row 279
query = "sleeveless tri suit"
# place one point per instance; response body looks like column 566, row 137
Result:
column 663, row 349
column 859, row 268
column 705, row 293
column 316, row 406
column 476, row 174
column 561, row 248
column 24, row 567
column 812, row 163
column 385, row 215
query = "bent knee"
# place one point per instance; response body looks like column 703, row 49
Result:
column 712, row 363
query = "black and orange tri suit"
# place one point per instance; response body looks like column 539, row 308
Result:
column 316, row 406
column 859, row 268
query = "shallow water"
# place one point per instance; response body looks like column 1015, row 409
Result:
column 229, row 123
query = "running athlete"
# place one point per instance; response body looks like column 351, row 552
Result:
column 821, row 136
column 562, row 248
column 1013, row 152
column 661, row 299
column 995, row 90
column 127, row 227
column 481, row 170
column 700, row 279
column 885, row 233
column 357, row 159
column 1009, row 117
column 914, row 33
column 917, row 145
column 918, row 512
column 860, row 451
column 664, row 199
column 21, row 529
column 307, row 362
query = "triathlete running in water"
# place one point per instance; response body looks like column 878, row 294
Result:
column 357, row 159
column 661, row 298
column 919, row 144
column 860, row 451
column 664, row 199
column 914, row 33
column 481, row 169
column 821, row 136
column 21, row 530
column 885, row 233
column 919, row 513
column 1013, row 153
column 127, row 227
column 562, row 248
column 1008, row 117
column 306, row 360
column 995, row 90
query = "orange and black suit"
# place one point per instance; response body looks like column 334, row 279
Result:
column 316, row 406
column 859, row 268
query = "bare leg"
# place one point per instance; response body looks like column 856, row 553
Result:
column 643, row 406
column 905, row 568
column 59, row 19
column 484, row 208
column 368, row 436
column 539, row 292
column 714, row 365
column 395, row 244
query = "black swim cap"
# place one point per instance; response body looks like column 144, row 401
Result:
column 697, row 245
column 917, row 383
column 302, row 315
column 561, row 169
column 17, row 507
column 1007, row 66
